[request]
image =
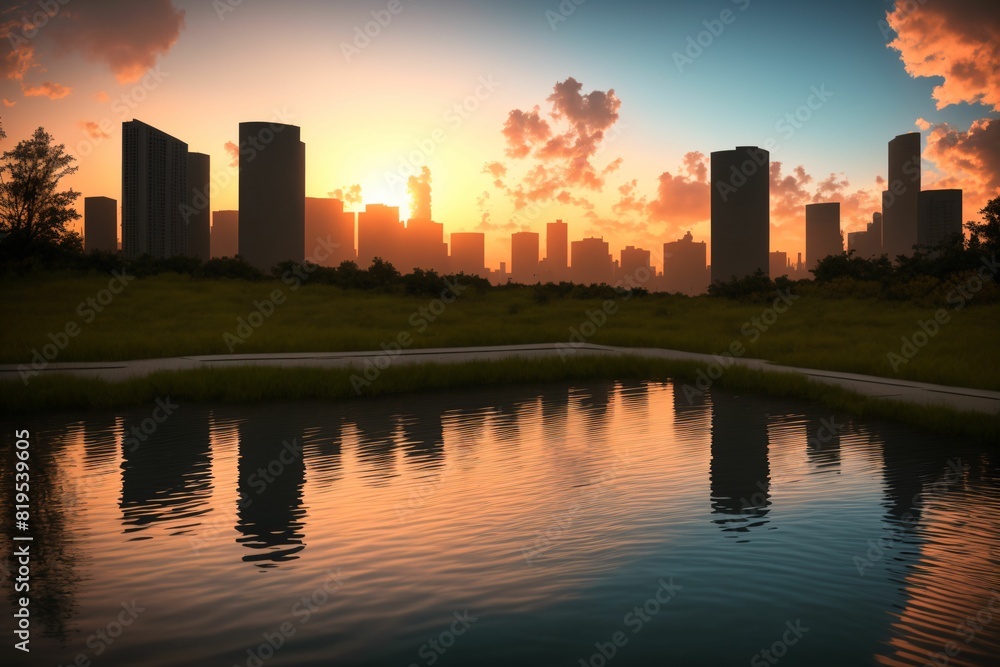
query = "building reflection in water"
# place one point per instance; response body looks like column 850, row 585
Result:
column 740, row 474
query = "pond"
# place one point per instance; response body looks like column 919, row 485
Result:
column 584, row 524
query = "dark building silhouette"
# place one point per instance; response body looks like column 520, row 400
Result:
column 823, row 236
column 100, row 224
column 380, row 234
column 940, row 217
column 556, row 251
column 684, row 267
column 272, row 194
column 591, row 262
column 329, row 232
column 740, row 471
column 197, row 213
column 867, row 244
column 468, row 253
column 154, row 192
column 424, row 246
column 900, row 204
column 225, row 233
column 778, row 264
column 634, row 266
column 524, row 257
column 741, row 217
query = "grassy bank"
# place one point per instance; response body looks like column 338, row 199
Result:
column 256, row 384
column 173, row 316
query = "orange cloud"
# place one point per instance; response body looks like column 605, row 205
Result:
column 957, row 40
column 234, row 154
column 102, row 96
column 351, row 196
column 53, row 91
column 17, row 55
column 92, row 129
column 8, row 103
column 967, row 160
column 683, row 199
column 128, row 36
column 419, row 188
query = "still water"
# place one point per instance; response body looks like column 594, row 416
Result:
column 592, row 524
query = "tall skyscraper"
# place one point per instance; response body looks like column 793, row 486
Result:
column 197, row 213
column 634, row 267
column 225, row 233
column 424, row 246
column 940, row 217
column 100, row 224
column 557, row 251
column 154, row 192
column 867, row 244
column 741, row 216
column 591, row 262
column 822, row 232
column 468, row 253
column 778, row 264
column 380, row 234
column 900, row 204
column 684, row 268
column 329, row 232
column 524, row 257
column 272, row 194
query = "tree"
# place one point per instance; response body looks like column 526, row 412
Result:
column 33, row 213
column 986, row 234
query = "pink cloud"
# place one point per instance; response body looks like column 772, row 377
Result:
column 92, row 129
column 53, row 91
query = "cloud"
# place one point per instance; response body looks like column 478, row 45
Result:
column 7, row 103
column 127, row 36
column 53, row 91
column 92, row 129
column 234, row 154
column 969, row 160
column 102, row 96
column 684, row 199
column 17, row 54
column 351, row 196
column 958, row 40
column 419, row 188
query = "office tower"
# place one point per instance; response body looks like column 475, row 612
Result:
column 684, row 267
column 778, row 266
column 901, row 203
column 424, row 246
column 557, row 251
column 197, row 213
column 154, row 192
column 867, row 244
column 741, row 218
column 272, row 194
column 100, row 224
column 635, row 267
column 329, row 232
column 225, row 233
column 822, row 232
column 468, row 253
column 591, row 262
column 380, row 234
column 940, row 217
column 524, row 257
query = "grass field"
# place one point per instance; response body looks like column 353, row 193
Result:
column 172, row 316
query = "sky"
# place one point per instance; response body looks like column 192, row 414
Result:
column 602, row 114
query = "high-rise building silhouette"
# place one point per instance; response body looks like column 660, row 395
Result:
column 468, row 253
column 823, row 236
column 635, row 267
column 197, row 212
column 940, row 217
column 741, row 217
column 591, row 262
column 900, row 204
column 329, row 232
column 100, row 224
column 556, row 251
column 380, row 234
column 225, row 233
column 272, row 194
column 154, row 192
column 424, row 246
column 867, row 244
column 524, row 257
column 778, row 266
column 684, row 267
